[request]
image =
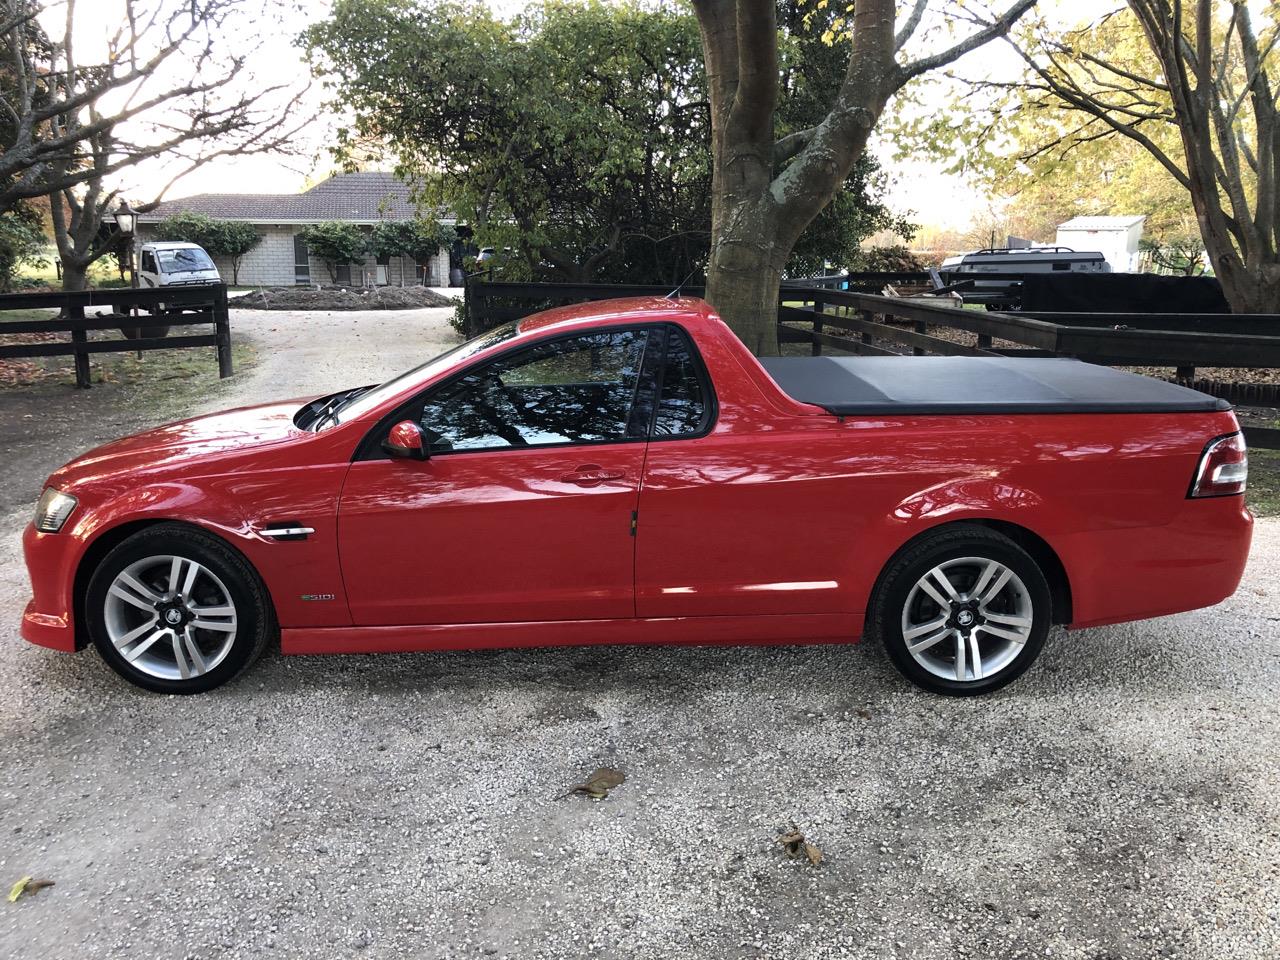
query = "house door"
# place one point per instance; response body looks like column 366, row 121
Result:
column 301, row 262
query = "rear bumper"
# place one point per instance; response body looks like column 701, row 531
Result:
column 48, row 619
column 1135, row 573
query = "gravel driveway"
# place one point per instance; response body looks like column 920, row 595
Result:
column 1119, row 801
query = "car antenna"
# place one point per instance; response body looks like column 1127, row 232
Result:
column 680, row 286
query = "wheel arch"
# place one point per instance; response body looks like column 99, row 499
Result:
column 111, row 538
column 1037, row 547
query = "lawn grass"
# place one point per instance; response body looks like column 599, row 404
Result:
column 101, row 274
column 179, row 364
column 1263, row 496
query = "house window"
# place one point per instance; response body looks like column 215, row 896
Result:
column 301, row 262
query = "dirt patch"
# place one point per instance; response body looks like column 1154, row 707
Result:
column 341, row 298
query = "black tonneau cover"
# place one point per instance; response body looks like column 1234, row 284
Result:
column 852, row 386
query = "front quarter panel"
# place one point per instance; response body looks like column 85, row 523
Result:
column 234, row 499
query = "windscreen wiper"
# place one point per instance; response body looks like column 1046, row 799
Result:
column 331, row 409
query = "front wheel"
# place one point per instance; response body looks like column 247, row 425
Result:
column 962, row 611
column 173, row 609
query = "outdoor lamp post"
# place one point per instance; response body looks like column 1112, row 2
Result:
column 126, row 222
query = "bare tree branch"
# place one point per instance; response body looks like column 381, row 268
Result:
column 997, row 28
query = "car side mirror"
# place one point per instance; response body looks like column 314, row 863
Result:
column 405, row 440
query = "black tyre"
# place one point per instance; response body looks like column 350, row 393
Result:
column 173, row 609
column 962, row 611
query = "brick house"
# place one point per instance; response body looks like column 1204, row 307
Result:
column 282, row 257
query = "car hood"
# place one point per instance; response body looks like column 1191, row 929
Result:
column 185, row 442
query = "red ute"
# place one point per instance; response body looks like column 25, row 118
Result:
column 627, row 472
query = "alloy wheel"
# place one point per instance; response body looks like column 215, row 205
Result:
column 170, row 617
column 967, row 619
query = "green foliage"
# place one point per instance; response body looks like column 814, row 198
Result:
column 418, row 240
column 335, row 243
column 1179, row 255
column 888, row 260
column 187, row 227
column 22, row 243
column 576, row 134
column 219, row 238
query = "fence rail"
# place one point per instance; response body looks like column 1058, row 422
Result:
column 166, row 307
column 1183, row 341
column 824, row 315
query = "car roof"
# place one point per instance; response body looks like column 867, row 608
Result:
column 621, row 312
column 171, row 245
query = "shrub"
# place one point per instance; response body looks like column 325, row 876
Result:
column 335, row 243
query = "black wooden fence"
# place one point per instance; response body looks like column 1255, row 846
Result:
column 831, row 313
column 143, row 318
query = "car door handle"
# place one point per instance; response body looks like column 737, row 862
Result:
column 591, row 475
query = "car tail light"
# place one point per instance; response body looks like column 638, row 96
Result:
column 1223, row 468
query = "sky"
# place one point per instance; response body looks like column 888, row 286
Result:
column 918, row 187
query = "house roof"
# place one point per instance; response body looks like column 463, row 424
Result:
column 365, row 197
column 1102, row 223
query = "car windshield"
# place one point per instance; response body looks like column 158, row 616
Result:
column 362, row 404
column 184, row 260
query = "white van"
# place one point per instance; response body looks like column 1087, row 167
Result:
column 175, row 264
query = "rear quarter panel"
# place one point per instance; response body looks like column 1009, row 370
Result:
column 1107, row 492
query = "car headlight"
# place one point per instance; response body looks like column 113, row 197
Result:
column 53, row 509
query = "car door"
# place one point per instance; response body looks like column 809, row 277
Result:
column 523, row 510
column 731, row 521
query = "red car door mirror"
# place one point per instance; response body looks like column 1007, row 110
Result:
column 405, row 440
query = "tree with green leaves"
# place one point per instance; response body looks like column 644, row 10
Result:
column 336, row 244
column 766, row 188
column 416, row 240
column 577, row 135
column 219, row 238
column 22, row 243
column 235, row 239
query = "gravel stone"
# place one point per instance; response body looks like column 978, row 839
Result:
column 1119, row 801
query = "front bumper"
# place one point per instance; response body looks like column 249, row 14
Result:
column 49, row 619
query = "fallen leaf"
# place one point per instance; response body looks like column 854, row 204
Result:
column 794, row 843
column 599, row 783
column 27, row 885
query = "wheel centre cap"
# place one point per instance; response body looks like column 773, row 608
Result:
column 173, row 616
column 965, row 618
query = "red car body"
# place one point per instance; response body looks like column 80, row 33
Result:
column 772, row 526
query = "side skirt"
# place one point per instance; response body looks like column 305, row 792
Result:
column 800, row 628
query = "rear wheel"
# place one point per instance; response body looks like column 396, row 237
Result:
column 175, row 610
column 962, row 611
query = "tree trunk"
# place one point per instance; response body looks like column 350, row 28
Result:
column 745, row 270
column 1253, row 289
column 75, row 276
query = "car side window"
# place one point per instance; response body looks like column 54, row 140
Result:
column 682, row 404
column 148, row 262
column 579, row 390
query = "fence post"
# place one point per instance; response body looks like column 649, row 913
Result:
column 921, row 327
column 865, row 315
column 80, row 337
column 222, row 327
column 1185, row 373
column 817, row 322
